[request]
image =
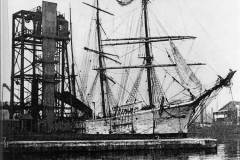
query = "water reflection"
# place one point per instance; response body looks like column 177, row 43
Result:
column 131, row 155
column 231, row 149
column 227, row 149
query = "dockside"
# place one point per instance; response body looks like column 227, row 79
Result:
column 109, row 145
column 46, row 115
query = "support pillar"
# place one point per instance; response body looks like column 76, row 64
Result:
column 49, row 26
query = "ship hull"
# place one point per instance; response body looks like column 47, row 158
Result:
column 157, row 121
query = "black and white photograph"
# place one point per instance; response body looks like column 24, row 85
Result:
column 120, row 79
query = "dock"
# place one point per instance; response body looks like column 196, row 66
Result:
column 110, row 145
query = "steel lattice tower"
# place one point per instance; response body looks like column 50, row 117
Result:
column 27, row 78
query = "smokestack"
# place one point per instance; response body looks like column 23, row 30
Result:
column 49, row 25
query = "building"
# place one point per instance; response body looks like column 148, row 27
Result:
column 228, row 114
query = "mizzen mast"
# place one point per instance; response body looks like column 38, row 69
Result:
column 100, row 53
column 72, row 56
column 148, row 57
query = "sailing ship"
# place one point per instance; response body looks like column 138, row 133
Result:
column 143, row 106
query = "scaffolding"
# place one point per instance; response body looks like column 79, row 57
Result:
column 27, row 75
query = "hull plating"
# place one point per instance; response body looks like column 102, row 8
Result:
column 171, row 120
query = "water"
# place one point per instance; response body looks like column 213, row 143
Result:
column 227, row 149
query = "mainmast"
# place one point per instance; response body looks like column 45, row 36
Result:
column 147, row 52
column 102, row 75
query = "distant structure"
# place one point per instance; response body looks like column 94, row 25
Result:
column 228, row 114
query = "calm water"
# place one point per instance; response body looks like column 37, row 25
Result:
column 228, row 149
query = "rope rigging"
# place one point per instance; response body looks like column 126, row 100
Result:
column 132, row 96
column 87, row 61
column 186, row 75
column 127, row 59
column 157, row 89
column 111, row 102
column 126, row 72
column 92, row 89
column 177, row 70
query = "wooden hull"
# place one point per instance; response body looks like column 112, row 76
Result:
column 171, row 120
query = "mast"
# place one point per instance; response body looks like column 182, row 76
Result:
column 73, row 71
column 73, row 77
column 102, row 76
column 147, row 53
column 148, row 59
column 100, row 52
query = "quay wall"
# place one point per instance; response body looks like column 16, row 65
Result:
column 109, row 145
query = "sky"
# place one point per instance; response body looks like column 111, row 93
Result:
column 216, row 23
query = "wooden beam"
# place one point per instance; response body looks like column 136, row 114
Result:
column 97, row 52
column 102, row 54
column 98, row 9
column 148, row 66
column 147, row 40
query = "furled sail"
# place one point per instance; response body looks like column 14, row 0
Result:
column 110, row 100
column 157, row 89
column 134, row 90
column 92, row 89
column 123, row 83
column 185, row 73
column 124, row 2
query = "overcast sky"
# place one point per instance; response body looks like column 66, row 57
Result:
column 216, row 23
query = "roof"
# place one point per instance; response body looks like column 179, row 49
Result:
column 229, row 106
